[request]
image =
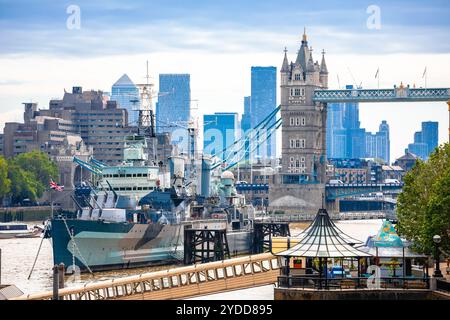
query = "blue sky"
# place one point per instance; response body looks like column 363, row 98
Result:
column 40, row 56
column 40, row 26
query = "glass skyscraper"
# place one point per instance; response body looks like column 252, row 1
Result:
column 220, row 130
column 425, row 141
column 125, row 92
column 174, row 102
column 246, row 124
column 345, row 138
column 378, row 144
column 262, row 102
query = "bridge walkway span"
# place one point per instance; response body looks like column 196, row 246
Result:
column 178, row 283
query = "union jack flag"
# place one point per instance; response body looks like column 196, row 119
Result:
column 55, row 186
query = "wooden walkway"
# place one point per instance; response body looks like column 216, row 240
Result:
column 178, row 283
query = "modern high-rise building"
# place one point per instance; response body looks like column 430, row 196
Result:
column 125, row 92
column 430, row 133
column 345, row 138
column 378, row 144
column 220, row 130
column 425, row 141
column 174, row 103
column 246, row 125
column 263, row 101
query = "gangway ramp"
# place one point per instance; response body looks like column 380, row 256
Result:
column 178, row 283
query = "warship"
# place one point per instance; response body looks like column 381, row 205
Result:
column 129, row 218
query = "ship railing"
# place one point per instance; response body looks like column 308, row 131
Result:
column 189, row 281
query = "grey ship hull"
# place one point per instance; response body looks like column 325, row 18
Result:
column 110, row 245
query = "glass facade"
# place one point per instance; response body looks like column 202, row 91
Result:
column 220, row 130
column 378, row 144
column 263, row 102
column 246, row 124
column 345, row 138
column 126, row 94
column 174, row 103
column 425, row 141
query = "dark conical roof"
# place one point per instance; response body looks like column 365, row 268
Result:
column 323, row 65
column 285, row 66
column 303, row 54
column 324, row 239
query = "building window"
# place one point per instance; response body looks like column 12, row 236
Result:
column 292, row 121
column 297, row 91
column 297, row 121
column 302, row 159
column 303, row 121
column 298, row 76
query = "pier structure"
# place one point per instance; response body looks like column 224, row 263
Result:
column 263, row 233
column 205, row 245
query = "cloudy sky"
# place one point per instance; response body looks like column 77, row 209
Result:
column 217, row 42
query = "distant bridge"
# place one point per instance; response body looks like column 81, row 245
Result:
column 350, row 215
column 333, row 191
column 397, row 94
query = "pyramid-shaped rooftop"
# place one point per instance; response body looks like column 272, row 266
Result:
column 124, row 81
column 323, row 239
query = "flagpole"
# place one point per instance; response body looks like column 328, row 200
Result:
column 426, row 75
column 51, row 202
column 378, row 79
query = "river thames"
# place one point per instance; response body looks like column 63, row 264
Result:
column 18, row 256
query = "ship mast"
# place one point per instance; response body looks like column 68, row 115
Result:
column 146, row 122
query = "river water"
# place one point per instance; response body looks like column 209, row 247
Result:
column 18, row 256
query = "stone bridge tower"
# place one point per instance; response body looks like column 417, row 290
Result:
column 301, row 181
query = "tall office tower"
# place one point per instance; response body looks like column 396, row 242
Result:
column 263, row 102
column 345, row 138
column 220, row 130
column 174, row 103
column 425, row 141
column 430, row 134
column 301, row 182
column 336, row 133
column 378, row 144
column 126, row 94
column 246, row 125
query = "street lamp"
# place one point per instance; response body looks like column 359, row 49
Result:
column 437, row 271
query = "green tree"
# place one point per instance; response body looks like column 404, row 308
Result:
column 23, row 183
column 40, row 166
column 5, row 183
column 424, row 205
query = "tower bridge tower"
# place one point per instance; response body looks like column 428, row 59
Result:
column 301, row 181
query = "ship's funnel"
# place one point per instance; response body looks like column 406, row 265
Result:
column 206, row 177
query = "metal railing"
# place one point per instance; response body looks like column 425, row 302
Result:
column 177, row 283
column 302, row 217
column 443, row 285
column 315, row 282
